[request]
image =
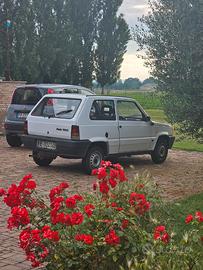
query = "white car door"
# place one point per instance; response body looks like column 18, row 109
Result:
column 136, row 134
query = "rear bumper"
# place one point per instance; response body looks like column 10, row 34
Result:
column 171, row 141
column 64, row 148
column 13, row 127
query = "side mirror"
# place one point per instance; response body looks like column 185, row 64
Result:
column 147, row 118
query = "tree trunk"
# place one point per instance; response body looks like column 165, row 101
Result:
column 102, row 90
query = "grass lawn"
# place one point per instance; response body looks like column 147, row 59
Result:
column 173, row 216
column 179, row 210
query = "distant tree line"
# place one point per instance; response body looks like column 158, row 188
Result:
column 63, row 41
column 128, row 84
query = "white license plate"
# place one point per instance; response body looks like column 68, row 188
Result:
column 22, row 115
column 46, row 145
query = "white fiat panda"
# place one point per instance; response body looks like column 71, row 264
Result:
column 92, row 128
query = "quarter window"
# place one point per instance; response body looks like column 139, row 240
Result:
column 128, row 111
column 103, row 110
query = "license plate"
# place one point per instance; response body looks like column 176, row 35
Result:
column 22, row 115
column 46, row 145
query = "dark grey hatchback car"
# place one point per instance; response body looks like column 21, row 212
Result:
column 24, row 99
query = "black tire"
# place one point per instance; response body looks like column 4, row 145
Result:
column 13, row 140
column 160, row 152
column 93, row 159
column 40, row 160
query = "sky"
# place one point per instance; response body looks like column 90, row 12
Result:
column 132, row 65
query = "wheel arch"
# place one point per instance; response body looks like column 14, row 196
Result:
column 162, row 137
column 103, row 145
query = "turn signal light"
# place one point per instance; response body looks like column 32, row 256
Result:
column 75, row 133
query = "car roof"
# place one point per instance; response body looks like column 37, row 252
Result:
column 78, row 96
column 43, row 85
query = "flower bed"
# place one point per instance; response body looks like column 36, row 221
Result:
column 112, row 227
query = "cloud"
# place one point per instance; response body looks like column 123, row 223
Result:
column 141, row 7
column 132, row 65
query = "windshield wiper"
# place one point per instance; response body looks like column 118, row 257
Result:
column 64, row 112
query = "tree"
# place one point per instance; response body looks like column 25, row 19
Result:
column 172, row 36
column 132, row 83
column 111, row 43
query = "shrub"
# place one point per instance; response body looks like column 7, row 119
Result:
column 112, row 227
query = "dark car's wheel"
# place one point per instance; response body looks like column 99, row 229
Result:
column 40, row 160
column 93, row 159
column 13, row 140
column 160, row 152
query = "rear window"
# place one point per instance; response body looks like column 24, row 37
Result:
column 57, row 108
column 26, row 96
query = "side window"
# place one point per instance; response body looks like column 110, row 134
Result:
column 128, row 111
column 103, row 110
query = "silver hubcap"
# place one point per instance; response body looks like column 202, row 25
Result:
column 95, row 160
column 162, row 151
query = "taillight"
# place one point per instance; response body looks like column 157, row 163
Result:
column 12, row 96
column 50, row 91
column 25, row 129
column 5, row 126
column 75, row 133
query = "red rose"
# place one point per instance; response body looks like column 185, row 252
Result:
column 112, row 238
column 86, row 238
column 125, row 224
column 71, row 202
column 89, row 209
column 31, row 184
column 78, row 197
column 161, row 234
column 112, row 182
column 199, row 216
column 188, row 219
column 2, row 192
column 104, row 188
column 76, row 218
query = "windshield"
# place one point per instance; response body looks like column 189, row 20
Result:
column 57, row 108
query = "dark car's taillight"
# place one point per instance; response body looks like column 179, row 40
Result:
column 25, row 129
column 75, row 133
column 5, row 126
column 50, row 91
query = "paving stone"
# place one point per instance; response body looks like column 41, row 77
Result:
column 180, row 176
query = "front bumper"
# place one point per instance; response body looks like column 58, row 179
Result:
column 64, row 148
column 171, row 141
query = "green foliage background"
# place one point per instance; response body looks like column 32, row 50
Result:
column 172, row 36
column 62, row 40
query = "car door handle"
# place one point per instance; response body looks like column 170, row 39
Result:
column 120, row 126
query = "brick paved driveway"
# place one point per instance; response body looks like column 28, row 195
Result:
column 181, row 175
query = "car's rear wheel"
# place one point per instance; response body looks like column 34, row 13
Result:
column 160, row 152
column 41, row 160
column 13, row 140
column 93, row 159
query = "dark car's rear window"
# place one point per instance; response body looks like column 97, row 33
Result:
column 26, row 96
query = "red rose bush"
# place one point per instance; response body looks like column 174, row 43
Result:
column 112, row 227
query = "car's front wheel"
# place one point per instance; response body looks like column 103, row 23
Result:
column 13, row 140
column 93, row 159
column 41, row 160
column 160, row 152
